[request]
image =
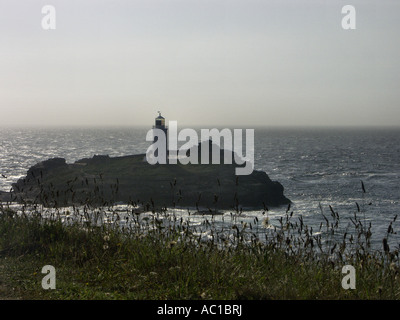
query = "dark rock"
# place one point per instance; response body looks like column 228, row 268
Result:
column 5, row 196
column 42, row 167
column 36, row 173
column 102, row 180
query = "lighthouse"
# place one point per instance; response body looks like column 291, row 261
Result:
column 160, row 124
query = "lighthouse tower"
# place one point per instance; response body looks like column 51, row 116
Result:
column 160, row 124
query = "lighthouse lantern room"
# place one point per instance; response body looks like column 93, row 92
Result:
column 160, row 123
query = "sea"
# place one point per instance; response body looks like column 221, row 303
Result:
column 353, row 171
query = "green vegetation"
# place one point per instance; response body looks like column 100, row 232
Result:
column 151, row 259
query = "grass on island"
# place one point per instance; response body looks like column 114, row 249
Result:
column 152, row 260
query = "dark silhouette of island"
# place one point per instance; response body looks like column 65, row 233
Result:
column 104, row 180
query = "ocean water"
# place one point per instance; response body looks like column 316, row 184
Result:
column 317, row 167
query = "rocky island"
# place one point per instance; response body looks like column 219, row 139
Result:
column 104, row 180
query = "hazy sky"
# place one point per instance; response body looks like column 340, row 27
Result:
column 201, row 62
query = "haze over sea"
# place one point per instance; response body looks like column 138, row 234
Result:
column 317, row 167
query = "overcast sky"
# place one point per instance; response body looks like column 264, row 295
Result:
column 201, row 62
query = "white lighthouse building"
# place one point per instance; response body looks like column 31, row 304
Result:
column 160, row 124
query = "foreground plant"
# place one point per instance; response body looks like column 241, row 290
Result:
column 126, row 253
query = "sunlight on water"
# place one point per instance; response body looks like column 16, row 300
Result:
column 316, row 168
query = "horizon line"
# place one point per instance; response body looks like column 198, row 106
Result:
column 198, row 126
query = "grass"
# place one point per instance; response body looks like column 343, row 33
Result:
column 159, row 256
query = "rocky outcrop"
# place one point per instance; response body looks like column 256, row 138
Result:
column 104, row 180
column 5, row 196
